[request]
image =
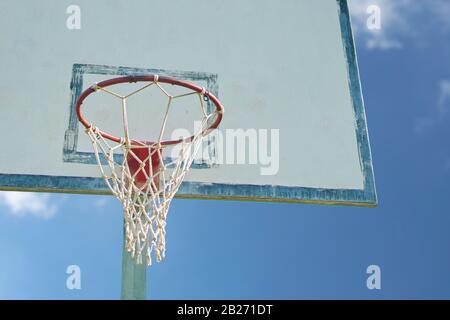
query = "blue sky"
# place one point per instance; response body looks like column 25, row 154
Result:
column 221, row 249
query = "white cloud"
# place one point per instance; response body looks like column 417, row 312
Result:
column 392, row 22
column 444, row 98
column 400, row 19
column 441, row 10
column 440, row 111
column 28, row 203
column 101, row 202
column 383, row 44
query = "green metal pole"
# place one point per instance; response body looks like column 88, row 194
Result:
column 134, row 276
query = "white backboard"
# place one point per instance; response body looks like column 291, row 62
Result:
column 285, row 71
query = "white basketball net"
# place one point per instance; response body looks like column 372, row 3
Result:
column 144, row 187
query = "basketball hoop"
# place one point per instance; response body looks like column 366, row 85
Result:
column 143, row 180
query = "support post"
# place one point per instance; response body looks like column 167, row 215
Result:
column 134, row 276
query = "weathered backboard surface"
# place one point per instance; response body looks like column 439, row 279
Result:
column 285, row 71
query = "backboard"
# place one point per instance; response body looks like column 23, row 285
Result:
column 294, row 128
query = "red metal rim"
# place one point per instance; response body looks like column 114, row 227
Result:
column 150, row 78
